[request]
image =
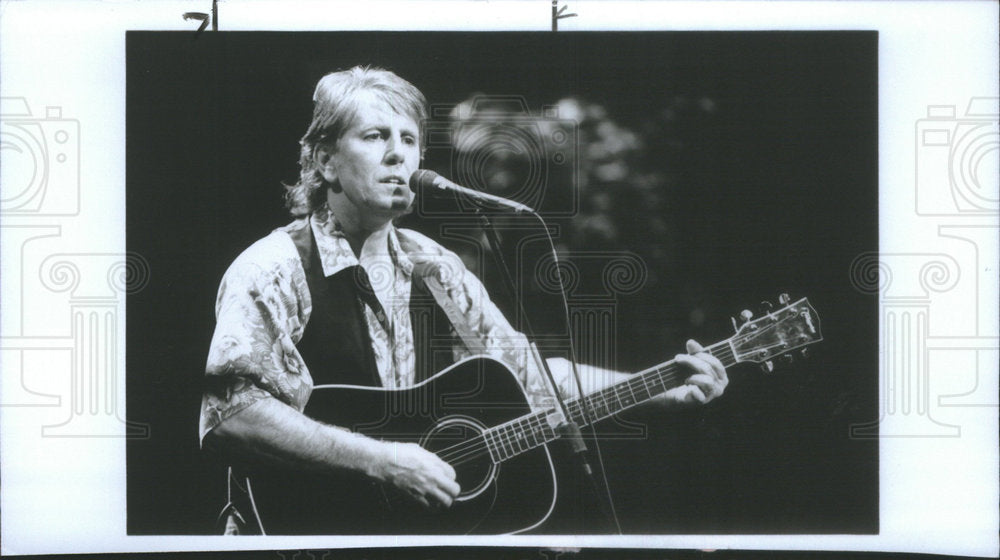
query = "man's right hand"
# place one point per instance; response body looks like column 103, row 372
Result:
column 418, row 472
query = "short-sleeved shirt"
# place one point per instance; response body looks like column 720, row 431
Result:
column 263, row 308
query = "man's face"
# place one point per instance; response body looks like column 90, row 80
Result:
column 373, row 160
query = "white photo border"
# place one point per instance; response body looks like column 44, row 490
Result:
column 937, row 62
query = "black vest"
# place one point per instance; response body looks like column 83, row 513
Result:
column 336, row 345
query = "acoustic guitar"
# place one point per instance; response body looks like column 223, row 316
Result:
column 475, row 416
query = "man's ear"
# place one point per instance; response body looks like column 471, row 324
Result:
column 324, row 160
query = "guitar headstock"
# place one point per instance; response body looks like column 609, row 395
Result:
column 776, row 333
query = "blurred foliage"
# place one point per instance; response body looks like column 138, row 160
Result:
column 606, row 182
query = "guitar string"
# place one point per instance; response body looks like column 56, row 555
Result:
column 532, row 424
column 511, row 443
column 507, row 433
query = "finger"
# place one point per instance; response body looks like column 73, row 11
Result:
column 703, row 381
column 445, row 484
column 696, row 349
column 718, row 370
column 701, row 366
column 694, row 394
column 697, row 365
column 440, row 497
column 452, row 488
column 448, row 470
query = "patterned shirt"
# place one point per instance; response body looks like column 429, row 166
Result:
column 263, row 307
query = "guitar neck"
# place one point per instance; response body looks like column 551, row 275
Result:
column 774, row 334
column 527, row 432
column 638, row 388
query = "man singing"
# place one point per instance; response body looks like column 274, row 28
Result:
column 327, row 300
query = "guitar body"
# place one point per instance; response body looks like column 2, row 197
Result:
column 444, row 414
column 507, row 479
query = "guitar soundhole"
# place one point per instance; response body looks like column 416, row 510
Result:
column 456, row 439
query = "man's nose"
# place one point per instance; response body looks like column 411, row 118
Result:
column 393, row 153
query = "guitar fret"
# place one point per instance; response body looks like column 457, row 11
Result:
column 617, row 398
column 491, row 446
column 659, row 378
column 515, row 440
column 592, row 406
column 495, row 444
column 505, row 439
column 534, row 434
column 585, row 411
column 645, row 383
column 640, row 385
column 596, row 408
column 543, row 426
column 502, row 444
column 630, row 397
column 521, row 436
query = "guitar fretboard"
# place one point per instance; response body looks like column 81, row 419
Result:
column 530, row 431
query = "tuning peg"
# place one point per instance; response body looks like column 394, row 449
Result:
column 804, row 353
column 767, row 367
column 767, row 307
column 784, row 299
column 746, row 315
column 787, row 359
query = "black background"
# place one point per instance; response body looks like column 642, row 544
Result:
column 781, row 195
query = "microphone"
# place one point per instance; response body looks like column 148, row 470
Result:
column 425, row 180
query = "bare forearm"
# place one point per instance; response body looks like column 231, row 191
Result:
column 592, row 378
column 699, row 388
column 275, row 433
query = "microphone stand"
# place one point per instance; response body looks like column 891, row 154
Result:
column 566, row 427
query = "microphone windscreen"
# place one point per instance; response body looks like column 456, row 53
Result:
column 422, row 179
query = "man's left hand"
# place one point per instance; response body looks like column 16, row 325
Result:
column 706, row 379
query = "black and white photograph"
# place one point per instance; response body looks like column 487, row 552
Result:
column 514, row 279
column 453, row 214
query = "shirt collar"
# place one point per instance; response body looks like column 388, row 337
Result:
column 335, row 252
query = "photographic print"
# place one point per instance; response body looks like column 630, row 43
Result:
column 687, row 181
column 533, row 279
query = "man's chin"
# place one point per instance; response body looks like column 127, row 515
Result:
column 402, row 205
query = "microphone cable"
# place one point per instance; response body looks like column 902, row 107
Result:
column 612, row 513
